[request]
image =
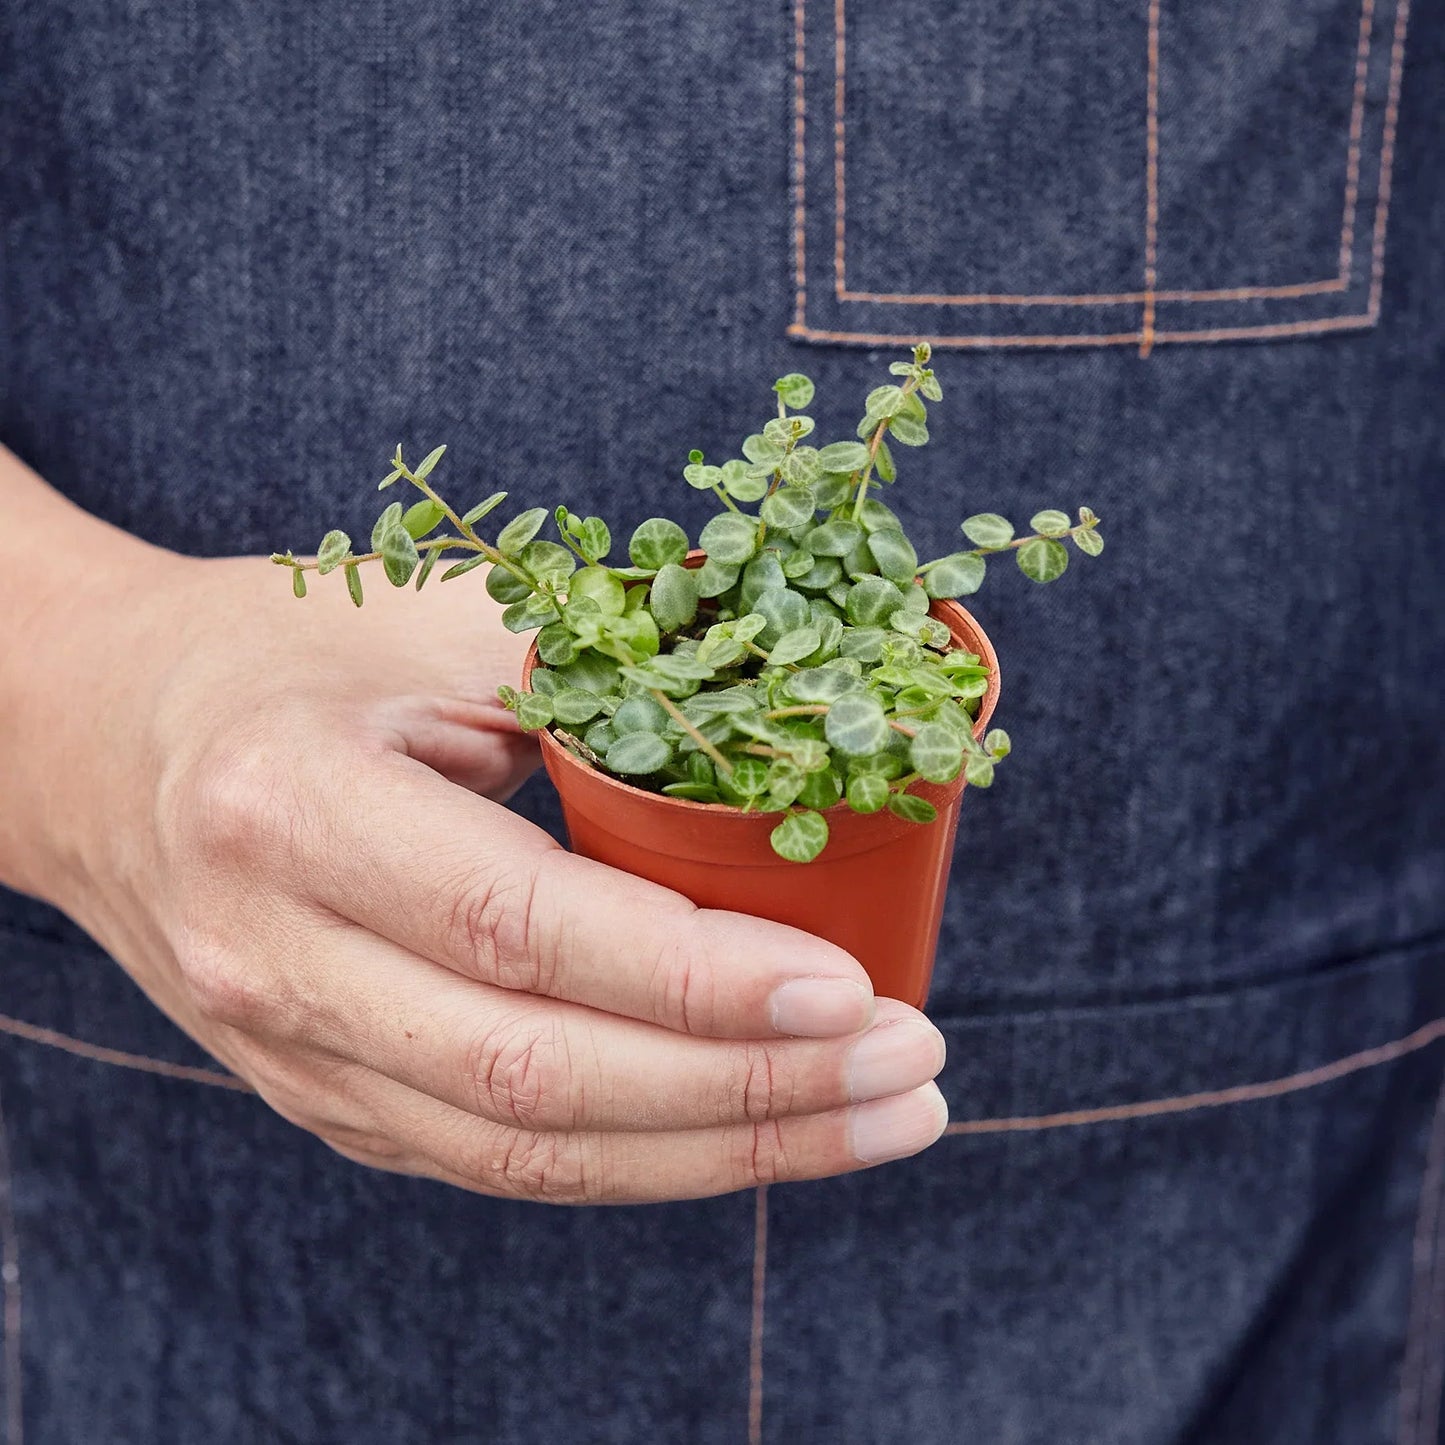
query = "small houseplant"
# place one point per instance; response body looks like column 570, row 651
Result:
column 799, row 689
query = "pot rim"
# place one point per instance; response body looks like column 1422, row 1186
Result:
column 959, row 618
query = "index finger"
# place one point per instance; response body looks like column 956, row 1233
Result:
column 467, row 883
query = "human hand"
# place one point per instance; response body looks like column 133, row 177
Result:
column 284, row 819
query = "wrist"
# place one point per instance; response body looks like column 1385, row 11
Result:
column 71, row 631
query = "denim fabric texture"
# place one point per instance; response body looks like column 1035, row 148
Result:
column 1191, row 972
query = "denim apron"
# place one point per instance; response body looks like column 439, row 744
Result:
column 1182, row 262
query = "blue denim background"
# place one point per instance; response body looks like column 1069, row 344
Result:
column 246, row 249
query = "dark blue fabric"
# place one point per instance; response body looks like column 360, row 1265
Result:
column 246, row 249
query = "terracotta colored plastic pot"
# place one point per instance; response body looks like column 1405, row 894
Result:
column 877, row 889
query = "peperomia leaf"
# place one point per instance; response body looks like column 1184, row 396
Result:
column 856, row 724
column 800, row 837
column 1043, row 559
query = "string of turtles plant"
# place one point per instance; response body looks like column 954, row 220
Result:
column 797, row 666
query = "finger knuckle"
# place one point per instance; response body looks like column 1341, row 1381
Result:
column 493, row 927
column 220, row 984
column 762, row 1155
column 547, row 1168
column 763, row 1091
column 686, row 988
column 521, row 1073
column 237, row 805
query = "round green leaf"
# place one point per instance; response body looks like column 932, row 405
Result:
column 601, row 586
column 801, row 467
column 834, row 539
column 714, row 578
column 843, row 457
column 1050, row 523
column 936, row 753
column 572, row 706
column 875, row 516
column 639, row 715
column 783, row 610
column 520, row 530
column 997, row 743
column 785, row 781
column 787, row 508
column 960, row 575
column 800, row 837
column 894, row 554
column 730, row 539
column 420, row 518
column 744, row 483
column 1089, row 541
column 763, row 572
column 637, row 752
column 822, row 789
column 908, row 430
column 595, row 539
column 748, row 779
column 548, row 562
column 702, row 477
column 389, row 518
column 795, row 390
column 335, row 548
column 872, row 600
column 978, row 771
column 988, row 529
column 673, row 599
column 885, row 401
column 912, row 808
column 820, row 684
column 867, row 792
column 533, row 711
column 1043, row 559
column 794, row 646
column 556, row 644
column 856, row 725
column 399, row 556
column 656, row 543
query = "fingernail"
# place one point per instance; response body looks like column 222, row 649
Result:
column 893, row 1057
column 821, row 1007
column 894, row 1128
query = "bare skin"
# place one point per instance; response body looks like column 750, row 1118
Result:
column 285, row 820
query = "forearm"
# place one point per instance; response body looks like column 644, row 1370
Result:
column 64, row 576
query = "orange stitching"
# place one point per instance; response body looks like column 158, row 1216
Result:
column 755, row 1350
column 800, row 159
column 1118, row 338
column 1151, row 186
column 1387, row 160
column 1424, row 1302
column 1237, row 293
column 37, row 1035
column 1424, row 1036
column 1115, row 298
column 840, row 208
column 1357, row 122
column 10, row 1283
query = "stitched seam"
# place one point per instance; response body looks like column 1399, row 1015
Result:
column 1418, row 1420
column 1151, row 185
column 1422, row 1038
column 1238, row 293
column 1116, row 298
column 800, row 155
column 755, row 1347
column 1357, row 123
column 1118, row 338
column 1387, row 159
column 34, row 1034
column 10, row 1283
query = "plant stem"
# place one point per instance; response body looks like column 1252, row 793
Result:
column 681, row 719
column 874, row 443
